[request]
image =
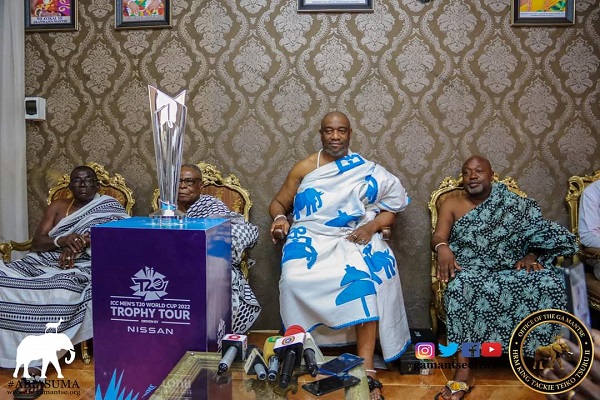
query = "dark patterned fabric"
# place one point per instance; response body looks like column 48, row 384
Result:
column 244, row 235
column 489, row 297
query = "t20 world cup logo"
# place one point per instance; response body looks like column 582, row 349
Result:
column 149, row 284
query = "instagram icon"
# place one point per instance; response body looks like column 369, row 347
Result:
column 425, row 351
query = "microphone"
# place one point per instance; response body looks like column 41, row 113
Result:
column 312, row 355
column 270, row 356
column 310, row 359
column 255, row 363
column 233, row 347
column 289, row 348
column 311, row 362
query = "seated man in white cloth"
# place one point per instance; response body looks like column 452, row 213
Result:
column 190, row 200
column 53, row 282
column 339, row 279
column 589, row 226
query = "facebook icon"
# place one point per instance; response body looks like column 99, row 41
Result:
column 470, row 349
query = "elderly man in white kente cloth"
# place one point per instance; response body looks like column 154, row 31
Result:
column 339, row 278
column 52, row 284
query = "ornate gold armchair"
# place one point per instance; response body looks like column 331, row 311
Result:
column 228, row 190
column 110, row 185
column 450, row 187
column 576, row 186
column 113, row 186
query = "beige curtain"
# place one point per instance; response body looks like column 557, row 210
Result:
column 13, row 174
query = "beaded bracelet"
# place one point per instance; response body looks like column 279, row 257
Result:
column 279, row 216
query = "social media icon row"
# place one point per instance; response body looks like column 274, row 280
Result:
column 426, row 350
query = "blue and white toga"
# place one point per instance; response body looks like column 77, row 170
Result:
column 328, row 281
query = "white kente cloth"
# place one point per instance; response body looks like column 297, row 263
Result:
column 328, row 281
column 35, row 290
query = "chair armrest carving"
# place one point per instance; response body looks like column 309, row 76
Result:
column 6, row 248
column 386, row 232
column 587, row 253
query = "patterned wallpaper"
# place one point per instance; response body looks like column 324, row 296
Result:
column 425, row 85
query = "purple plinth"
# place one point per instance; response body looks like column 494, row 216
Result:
column 157, row 292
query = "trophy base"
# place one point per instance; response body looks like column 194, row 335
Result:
column 168, row 215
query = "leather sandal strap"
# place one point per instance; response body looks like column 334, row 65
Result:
column 456, row 386
column 374, row 383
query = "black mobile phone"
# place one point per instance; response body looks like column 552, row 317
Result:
column 340, row 364
column 330, row 384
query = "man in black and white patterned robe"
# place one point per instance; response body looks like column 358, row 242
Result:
column 53, row 283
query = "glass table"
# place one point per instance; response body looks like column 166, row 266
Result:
column 194, row 377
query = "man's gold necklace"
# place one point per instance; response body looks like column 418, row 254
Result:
column 70, row 205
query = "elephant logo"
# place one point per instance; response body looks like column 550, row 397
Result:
column 551, row 354
column 309, row 199
column 43, row 347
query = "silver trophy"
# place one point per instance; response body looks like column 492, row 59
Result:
column 168, row 127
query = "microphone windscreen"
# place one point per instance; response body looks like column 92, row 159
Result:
column 293, row 329
column 268, row 351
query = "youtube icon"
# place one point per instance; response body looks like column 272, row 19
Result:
column 491, row 349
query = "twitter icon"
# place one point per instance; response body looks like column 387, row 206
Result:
column 448, row 351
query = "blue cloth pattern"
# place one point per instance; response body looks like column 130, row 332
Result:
column 329, row 283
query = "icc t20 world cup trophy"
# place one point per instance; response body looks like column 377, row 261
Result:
column 168, row 127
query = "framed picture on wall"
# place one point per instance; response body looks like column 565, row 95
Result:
column 542, row 12
column 51, row 15
column 132, row 14
column 335, row 5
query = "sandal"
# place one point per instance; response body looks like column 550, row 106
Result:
column 455, row 387
column 31, row 388
column 375, row 384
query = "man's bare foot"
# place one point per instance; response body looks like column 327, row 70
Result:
column 374, row 385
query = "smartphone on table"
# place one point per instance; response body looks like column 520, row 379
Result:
column 342, row 363
column 330, row 384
